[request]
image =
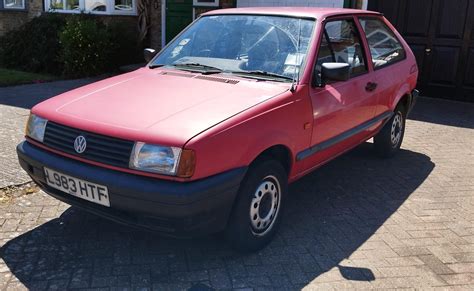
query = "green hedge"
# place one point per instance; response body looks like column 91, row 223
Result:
column 34, row 47
column 85, row 46
column 72, row 45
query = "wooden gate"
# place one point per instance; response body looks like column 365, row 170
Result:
column 441, row 34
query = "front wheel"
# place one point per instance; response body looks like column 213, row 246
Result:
column 257, row 210
column 389, row 140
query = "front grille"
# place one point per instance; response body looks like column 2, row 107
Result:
column 100, row 148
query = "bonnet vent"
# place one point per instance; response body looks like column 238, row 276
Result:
column 216, row 79
column 202, row 77
column 179, row 74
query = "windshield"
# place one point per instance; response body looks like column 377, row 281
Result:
column 253, row 45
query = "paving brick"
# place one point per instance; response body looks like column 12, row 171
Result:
column 404, row 261
column 412, row 251
column 405, row 271
column 394, row 283
column 444, row 253
column 464, row 257
column 171, row 286
column 435, row 264
column 462, row 267
column 466, row 248
column 424, row 233
column 458, row 279
column 4, row 280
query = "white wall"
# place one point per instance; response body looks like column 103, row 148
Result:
column 313, row 3
column 365, row 3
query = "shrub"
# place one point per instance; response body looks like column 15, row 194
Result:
column 72, row 45
column 85, row 46
column 89, row 47
column 34, row 47
column 125, row 48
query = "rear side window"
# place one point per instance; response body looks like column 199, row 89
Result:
column 384, row 46
column 341, row 44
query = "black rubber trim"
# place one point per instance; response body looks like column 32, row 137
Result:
column 414, row 97
column 343, row 136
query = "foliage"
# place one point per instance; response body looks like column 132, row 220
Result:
column 125, row 48
column 34, row 47
column 72, row 45
column 85, row 44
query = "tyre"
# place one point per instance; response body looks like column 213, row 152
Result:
column 389, row 140
column 257, row 210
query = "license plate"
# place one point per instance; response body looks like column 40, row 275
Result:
column 86, row 190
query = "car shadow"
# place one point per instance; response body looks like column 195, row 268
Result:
column 330, row 214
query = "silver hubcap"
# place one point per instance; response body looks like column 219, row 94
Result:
column 265, row 206
column 397, row 128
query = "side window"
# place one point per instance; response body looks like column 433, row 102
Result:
column 385, row 48
column 341, row 44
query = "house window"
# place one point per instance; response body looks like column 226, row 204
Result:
column 14, row 4
column 124, row 5
column 121, row 7
column 210, row 3
column 96, row 5
column 64, row 5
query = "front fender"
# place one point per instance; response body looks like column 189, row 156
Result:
column 238, row 141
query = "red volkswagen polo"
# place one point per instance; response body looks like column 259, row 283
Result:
column 208, row 135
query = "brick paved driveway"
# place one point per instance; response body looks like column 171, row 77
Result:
column 358, row 222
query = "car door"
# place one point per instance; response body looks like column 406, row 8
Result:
column 386, row 54
column 340, row 109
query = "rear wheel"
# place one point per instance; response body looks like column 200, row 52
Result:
column 389, row 140
column 257, row 210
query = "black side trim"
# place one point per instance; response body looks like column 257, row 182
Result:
column 343, row 136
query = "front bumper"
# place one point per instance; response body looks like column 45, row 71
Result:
column 174, row 208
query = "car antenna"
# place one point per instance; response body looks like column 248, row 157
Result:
column 296, row 75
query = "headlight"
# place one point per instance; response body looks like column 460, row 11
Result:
column 155, row 159
column 35, row 127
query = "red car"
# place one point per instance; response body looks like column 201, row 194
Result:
column 208, row 135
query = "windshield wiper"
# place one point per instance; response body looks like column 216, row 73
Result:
column 263, row 74
column 205, row 69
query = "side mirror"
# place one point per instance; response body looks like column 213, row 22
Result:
column 149, row 54
column 335, row 72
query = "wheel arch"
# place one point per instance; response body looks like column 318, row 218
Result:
column 278, row 152
column 405, row 100
column 403, row 96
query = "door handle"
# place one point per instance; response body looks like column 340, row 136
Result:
column 371, row 86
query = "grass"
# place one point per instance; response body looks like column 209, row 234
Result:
column 12, row 77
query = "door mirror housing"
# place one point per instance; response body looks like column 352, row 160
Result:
column 149, row 54
column 335, row 72
column 331, row 72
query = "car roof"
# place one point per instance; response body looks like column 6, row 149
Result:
column 303, row 12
